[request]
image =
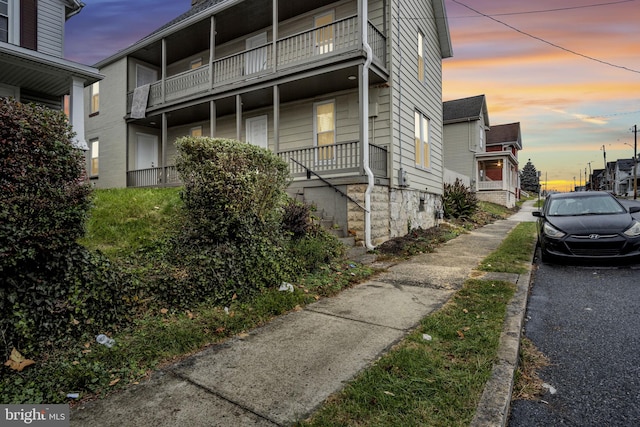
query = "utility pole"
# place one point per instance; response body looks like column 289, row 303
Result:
column 635, row 162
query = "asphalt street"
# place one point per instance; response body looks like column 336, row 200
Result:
column 585, row 320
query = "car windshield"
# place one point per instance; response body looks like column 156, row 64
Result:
column 596, row 205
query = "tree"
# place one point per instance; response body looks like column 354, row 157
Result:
column 529, row 180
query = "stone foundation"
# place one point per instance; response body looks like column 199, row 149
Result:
column 394, row 212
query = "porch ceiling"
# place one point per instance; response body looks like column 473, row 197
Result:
column 313, row 86
column 232, row 23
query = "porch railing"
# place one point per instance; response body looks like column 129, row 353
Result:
column 153, row 177
column 330, row 160
column 490, row 185
column 337, row 159
column 308, row 46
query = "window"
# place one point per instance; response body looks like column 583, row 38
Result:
column 196, row 131
column 4, row 21
column 95, row 153
column 423, row 157
column 196, row 63
column 325, row 130
column 420, row 57
column 95, row 97
column 324, row 33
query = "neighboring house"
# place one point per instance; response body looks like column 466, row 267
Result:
column 623, row 183
column 499, row 179
column 485, row 155
column 347, row 92
column 32, row 68
column 466, row 122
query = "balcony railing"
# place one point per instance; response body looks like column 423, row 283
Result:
column 319, row 43
column 330, row 160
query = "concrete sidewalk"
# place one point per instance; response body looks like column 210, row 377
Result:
column 281, row 372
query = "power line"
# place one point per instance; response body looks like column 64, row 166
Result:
column 545, row 41
column 549, row 10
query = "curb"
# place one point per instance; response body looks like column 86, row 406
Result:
column 494, row 405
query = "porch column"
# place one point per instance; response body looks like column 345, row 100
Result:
column 76, row 112
column 276, row 118
column 163, row 159
column 238, row 116
column 274, row 36
column 212, row 119
column 164, row 69
column 505, row 184
column 212, row 51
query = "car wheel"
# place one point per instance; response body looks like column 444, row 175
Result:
column 544, row 256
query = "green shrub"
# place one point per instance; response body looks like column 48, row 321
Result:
column 50, row 287
column 458, row 201
column 231, row 242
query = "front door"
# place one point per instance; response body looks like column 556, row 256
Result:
column 257, row 131
column 256, row 59
column 146, row 151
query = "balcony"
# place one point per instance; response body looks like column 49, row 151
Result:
column 337, row 160
column 317, row 45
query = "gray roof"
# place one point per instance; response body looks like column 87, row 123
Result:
column 505, row 134
column 459, row 110
column 625, row 164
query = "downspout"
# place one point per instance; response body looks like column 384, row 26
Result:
column 364, row 84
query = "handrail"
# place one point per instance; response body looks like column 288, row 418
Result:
column 309, row 171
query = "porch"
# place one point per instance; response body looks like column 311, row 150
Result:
column 329, row 161
column 316, row 47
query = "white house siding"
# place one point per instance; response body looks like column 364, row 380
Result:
column 51, row 19
column 109, row 127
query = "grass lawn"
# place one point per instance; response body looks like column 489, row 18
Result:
column 419, row 382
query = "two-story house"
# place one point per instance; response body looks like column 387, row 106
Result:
column 624, row 177
column 484, row 157
column 32, row 67
column 347, row 92
column 466, row 122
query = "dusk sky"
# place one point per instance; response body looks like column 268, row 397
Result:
column 568, row 71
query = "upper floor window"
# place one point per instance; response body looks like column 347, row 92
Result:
column 196, row 63
column 95, row 97
column 423, row 150
column 420, row 57
column 4, row 21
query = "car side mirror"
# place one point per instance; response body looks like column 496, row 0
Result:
column 634, row 209
column 537, row 213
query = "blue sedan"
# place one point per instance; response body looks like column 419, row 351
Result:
column 590, row 225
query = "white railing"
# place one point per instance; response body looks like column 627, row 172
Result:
column 312, row 45
column 490, row 185
column 333, row 38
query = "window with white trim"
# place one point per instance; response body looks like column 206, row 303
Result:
column 95, row 97
column 420, row 57
column 325, row 130
column 422, row 147
column 4, row 21
column 196, row 131
column 95, row 157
